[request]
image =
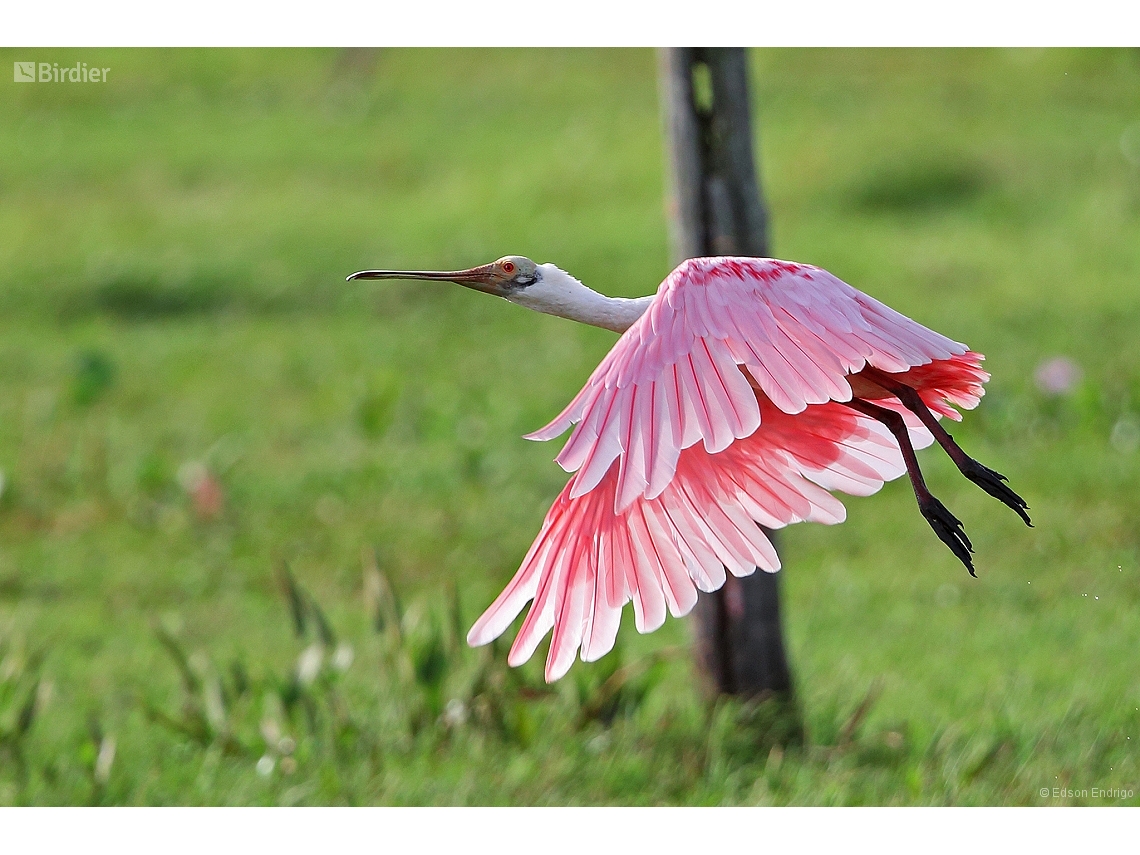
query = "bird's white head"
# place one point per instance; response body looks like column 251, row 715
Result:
column 542, row 287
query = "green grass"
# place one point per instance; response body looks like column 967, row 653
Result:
column 175, row 330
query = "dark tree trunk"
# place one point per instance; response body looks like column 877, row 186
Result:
column 716, row 209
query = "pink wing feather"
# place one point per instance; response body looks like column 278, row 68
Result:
column 677, row 458
column 672, row 378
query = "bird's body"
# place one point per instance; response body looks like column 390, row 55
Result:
column 736, row 397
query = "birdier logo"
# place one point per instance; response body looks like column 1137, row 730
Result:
column 52, row 72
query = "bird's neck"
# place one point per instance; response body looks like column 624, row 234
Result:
column 558, row 293
column 609, row 313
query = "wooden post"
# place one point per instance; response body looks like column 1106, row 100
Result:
column 716, row 209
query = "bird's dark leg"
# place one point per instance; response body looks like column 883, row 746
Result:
column 983, row 476
column 945, row 524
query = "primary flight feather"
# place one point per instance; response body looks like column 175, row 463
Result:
column 736, row 397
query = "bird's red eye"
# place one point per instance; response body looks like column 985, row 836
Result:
column 508, row 267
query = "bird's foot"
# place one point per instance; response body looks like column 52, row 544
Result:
column 992, row 483
column 949, row 530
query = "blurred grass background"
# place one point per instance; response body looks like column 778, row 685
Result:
column 248, row 510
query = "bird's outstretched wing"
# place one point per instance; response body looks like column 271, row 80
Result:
column 589, row 561
column 714, row 414
column 673, row 379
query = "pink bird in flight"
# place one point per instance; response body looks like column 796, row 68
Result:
column 737, row 397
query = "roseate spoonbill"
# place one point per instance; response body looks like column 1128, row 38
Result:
column 737, row 396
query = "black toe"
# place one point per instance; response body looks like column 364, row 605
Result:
column 992, row 483
column 949, row 530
